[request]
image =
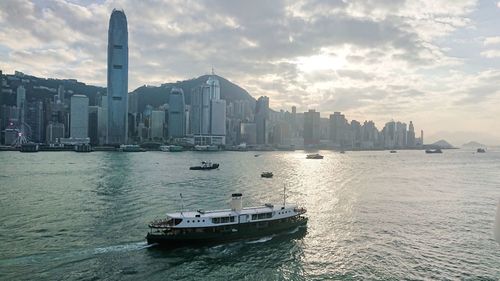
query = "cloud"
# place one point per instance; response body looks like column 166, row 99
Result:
column 491, row 54
column 491, row 41
column 371, row 59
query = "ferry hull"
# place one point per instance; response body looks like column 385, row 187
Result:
column 224, row 234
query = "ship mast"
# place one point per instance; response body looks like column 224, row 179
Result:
column 284, row 195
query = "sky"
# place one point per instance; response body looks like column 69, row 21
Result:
column 436, row 63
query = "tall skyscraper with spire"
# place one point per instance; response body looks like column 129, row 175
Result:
column 117, row 78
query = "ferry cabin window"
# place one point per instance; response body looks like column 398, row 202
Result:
column 223, row 219
column 262, row 216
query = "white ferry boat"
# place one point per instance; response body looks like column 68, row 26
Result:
column 171, row 148
column 200, row 227
column 206, row 148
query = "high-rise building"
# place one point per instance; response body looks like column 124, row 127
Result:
column 176, row 114
column 218, row 117
column 208, row 114
column 248, row 133
column 389, row 134
column 55, row 131
column 411, row 135
column 157, row 124
column 262, row 119
column 200, row 108
column 339, row 129
column 21, row 102
column 117, row 78
column 34, row 121
column 311, row 127
column 79, row 121
column 401, row 134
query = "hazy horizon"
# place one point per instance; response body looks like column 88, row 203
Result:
column 376, row 61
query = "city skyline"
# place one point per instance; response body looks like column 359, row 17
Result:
column 435, row 70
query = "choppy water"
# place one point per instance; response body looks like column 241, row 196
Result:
column 372, row 215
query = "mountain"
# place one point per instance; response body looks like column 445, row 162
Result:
column 156, row 96
column 473, row 144
column 46, row 88
column 442, row 144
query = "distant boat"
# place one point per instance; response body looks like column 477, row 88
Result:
column 206, row 148
column 171, row 148
column 393, row 151
column 342, row 152
column 29, row 147
column 437, row 150
column 205, row 166
column 83, row 148
column 256, row 155
column 267, row 175
column 481, row 150
column 131, row 148
column 314, row 156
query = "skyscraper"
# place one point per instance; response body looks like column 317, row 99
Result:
column 208, row 111
column 176, row 114
column 117, row 78
column 262, row 119
column 79, row 122
column 21, row 102
column 311, row 127
column 411, row 135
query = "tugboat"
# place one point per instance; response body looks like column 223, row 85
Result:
column 205, row 166
column 267, row 174
column 314, row 156
column 437, row 150
column 202, row 227
column 393, row 151
column 481, row 150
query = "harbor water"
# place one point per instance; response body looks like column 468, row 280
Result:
column 372, row 215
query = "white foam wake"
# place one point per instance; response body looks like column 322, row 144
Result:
column 261, row 240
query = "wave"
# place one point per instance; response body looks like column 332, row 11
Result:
column 261, row 240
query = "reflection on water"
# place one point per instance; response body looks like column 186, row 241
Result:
column 372, row 215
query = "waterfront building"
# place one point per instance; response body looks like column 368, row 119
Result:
column 400, row 135
column 79, row 119
column 311, row 127
column 21, row 102
column 55, row 132
column 248, row 133
column 176, row 114
column 208, row 111
column 356, row 134
column 389, row 135
column 411, row 135
column 218, row 117
column 34, row 128
column 157, row 124
column 117, row 78
column 339, row 130
column 369, row 135
column 262, row 119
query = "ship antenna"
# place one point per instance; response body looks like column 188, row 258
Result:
column 182, row 204
column 284, row 195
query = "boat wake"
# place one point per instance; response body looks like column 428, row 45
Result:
column 122, row 248
column 261, row 240
column 75, row 256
